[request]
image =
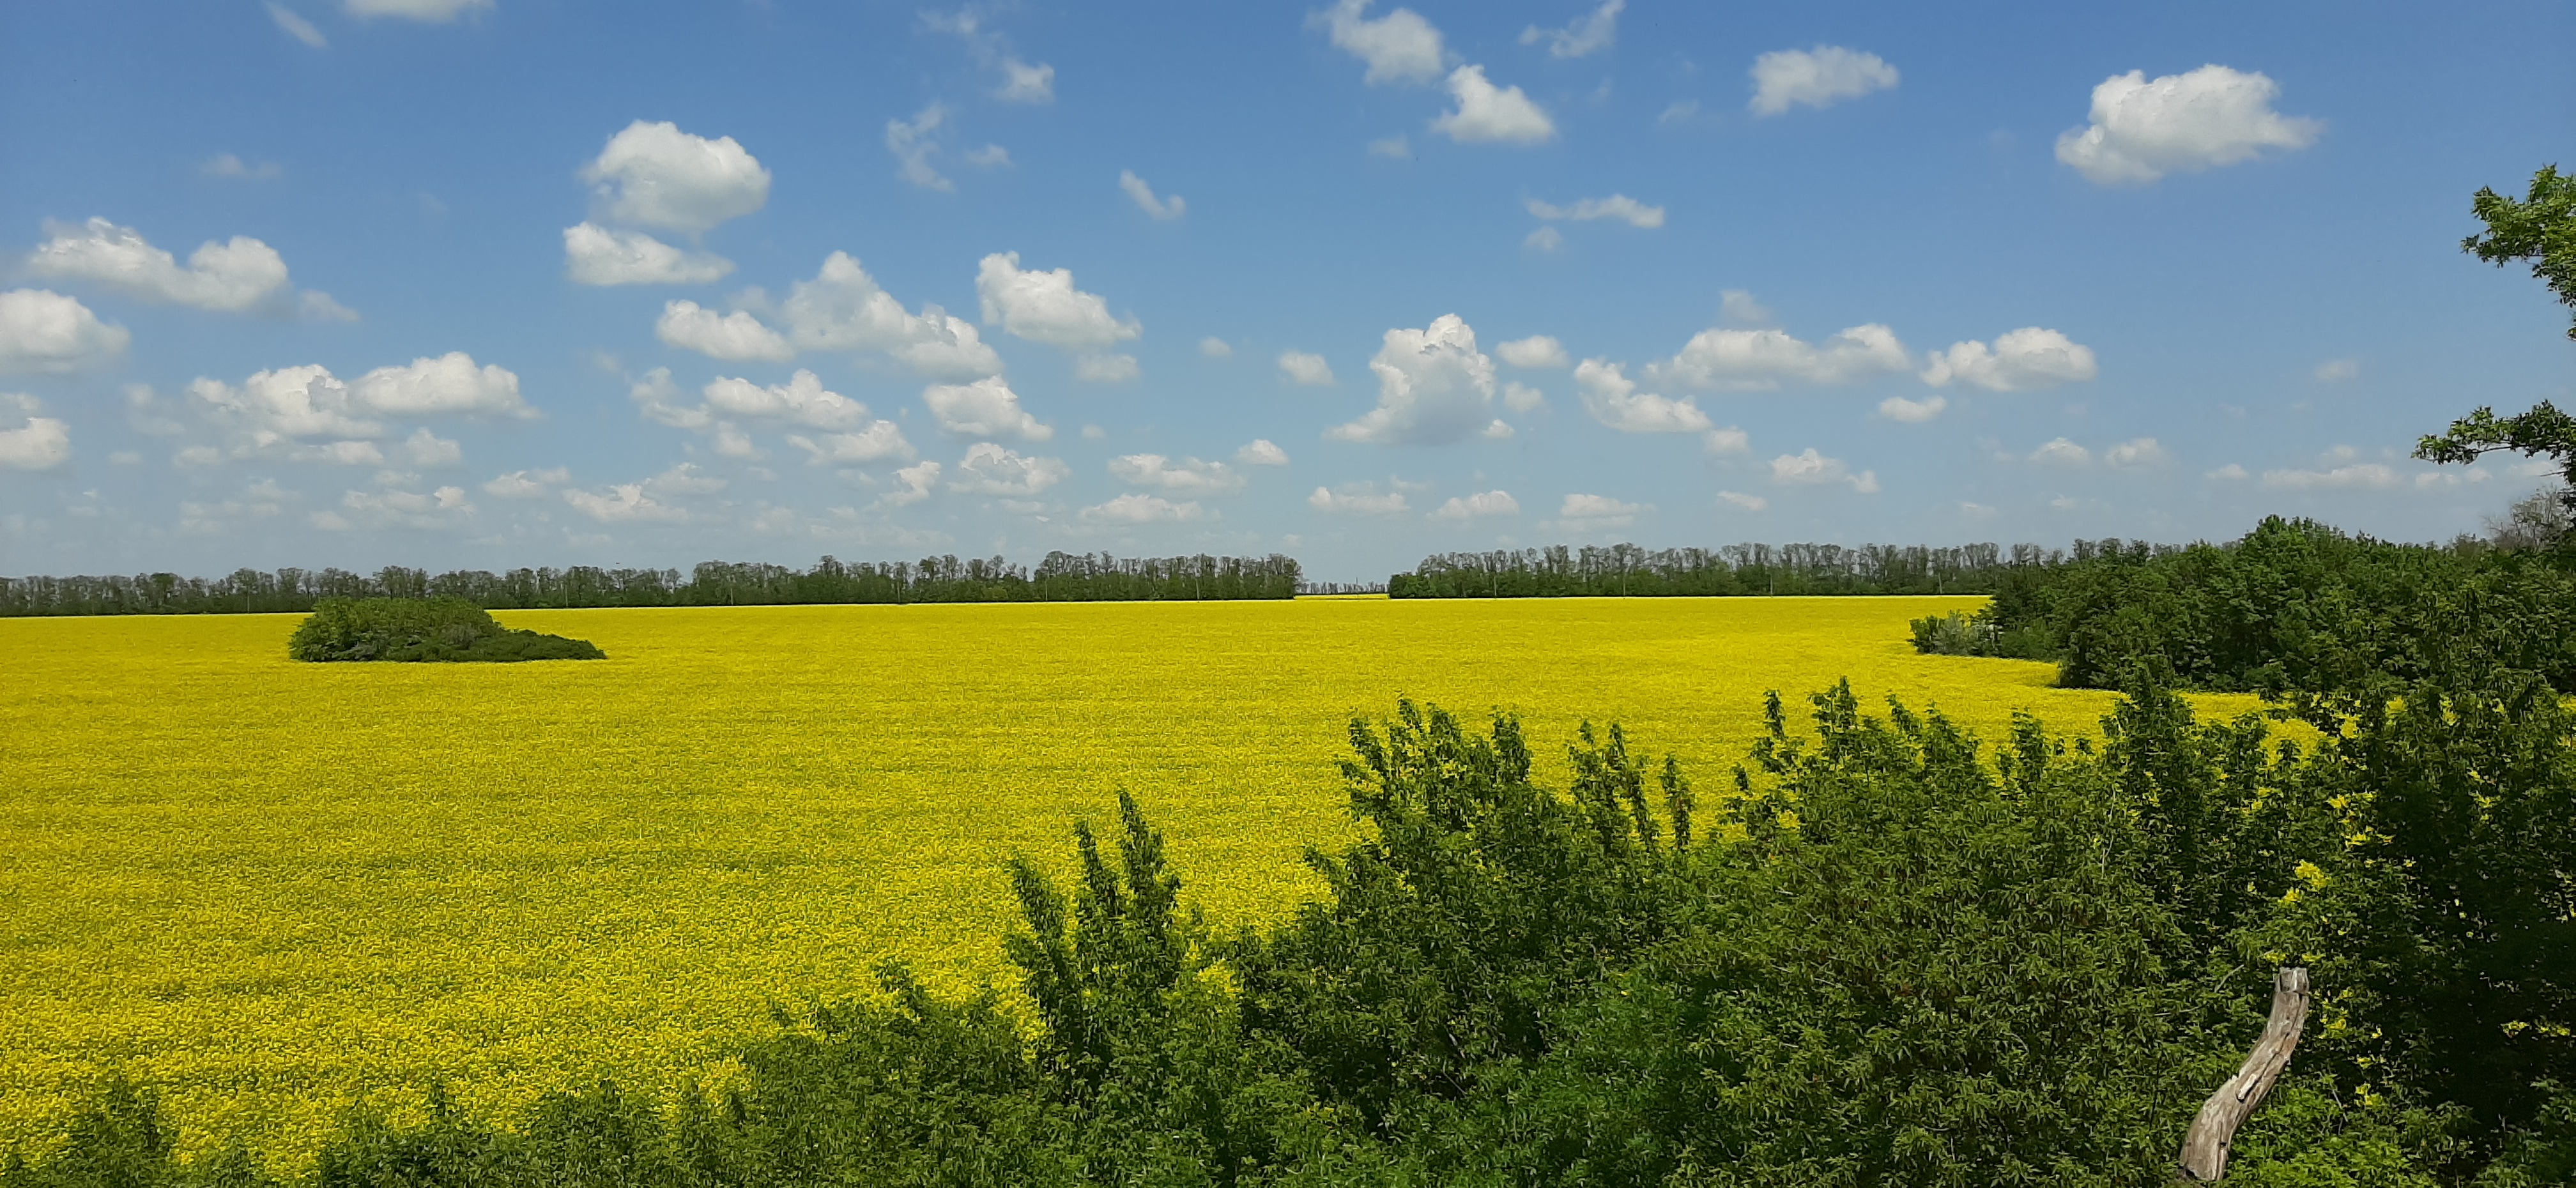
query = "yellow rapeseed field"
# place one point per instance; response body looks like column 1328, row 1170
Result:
column 273, row 888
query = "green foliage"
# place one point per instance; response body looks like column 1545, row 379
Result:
column 1960, row 633
column 2541, row 432
column 1627, row 571
column 2541, row 229
column 416, row 629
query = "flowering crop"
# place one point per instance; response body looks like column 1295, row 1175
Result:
column 271, row 889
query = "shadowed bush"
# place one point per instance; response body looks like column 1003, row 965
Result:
column 422, row 629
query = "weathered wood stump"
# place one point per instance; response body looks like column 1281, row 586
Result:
column 2205, row 1146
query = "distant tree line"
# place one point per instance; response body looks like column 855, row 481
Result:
column 1061, row 577
column 1625, row 570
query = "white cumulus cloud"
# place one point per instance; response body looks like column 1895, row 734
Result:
column 1596, row 31
column 989, row 469
column 877, row 442
column 1358, row 499
column 1742, row 500
column 1301, row 367
column 2364, row 476
column 912, row 142
column 595, row 255
column 733, row 337
column 1188, row 476
column 1215, row 348
column 2144, row 129
column 986, row 408
column 1105, row 369
column 2062, row 452
column 230, row 277
column 2020, row 360
column 1025, row 83
column 1434, row 387
column 1763, row 359
column 914, row 484
column 1617, row 206
column 45, row 331
column 1584, row 513
column 526, row 484
column 1261, row 452
column 1045, row 307
column 656, row 175
column 39, row 443
column 429, row 451
column 802, row 400
column 1535, row 351
column 1136, row 507
column 1809, row 468
column 1481, row 505
column 449, row 385
column 1142, row 195
column 1912, row 412
column 844, row 309
column 1487, row 114
column 1398, row 47
column 2136, row 454
column 1613, row 400
column 1818, row 77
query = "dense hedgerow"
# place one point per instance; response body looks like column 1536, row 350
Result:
column 1885, row 956
column 417, row 629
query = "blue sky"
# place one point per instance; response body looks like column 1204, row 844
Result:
column 438, row 282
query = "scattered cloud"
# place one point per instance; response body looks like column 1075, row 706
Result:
column 1487, row 114
column 1753, row 360
column 1479, row 506
column 912, row 485
column 801, row 401
column 227, row 277
column 1726, row 441
column 655, row 175
column 1188, row 476
column 1105, row 368
column 449, row 385
column 878, row 442
column 1358, row 499
column 432, row 12
column 595, row 255
column 843, row 309
column 229, row 165
column 2142, row 130
column 2334, row 371
column 1534, row 352
column 1026, row 83
column 734, row 337
column 1045, row 307
column 1300, row 367
column 45, row 331
column 37, row 442
column 1521, row 398
column 2136, row 454
column 912, row 143
column 2062, row 452
column 1738, row 307
column 296, row 26
column 2371, row 476
column 1136, row 507
column 1912, row 412
column 314, row 305
column 1142, row 195
column 443, row 509
column 1395, row 146
column 1434, row 387
column 1742, row 500
column 1545, row 239
column 989, row 469
column 2019, row 361
column 986, row 408
column 1215, row 348
column 1595, row 32
column 526, row 484
column 1809, row 468
column 1261, row 453
column 1398, row 47
column 429, row 451
column 1613, row 400
column 1592, row 513
column 1819, row 77
column 1617, row 206
column 642, row 502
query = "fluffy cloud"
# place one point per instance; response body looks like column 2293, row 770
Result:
column 624, row 503
column 1742, row 500
column 449, row 385
column 1138, row 508
column 1762, row 359
column 2062, row 452
column 1398, row 47
column 1726, row 441
column 802, row 400
column 1811, row 469
column 1187, row 477
column 429, row 451
column 2137, row 454
column 1143, row 196
column 1520, row 397
column 989, row 469
column 1488, row 114
column 1613, row 400
column 1481, row 505
column 1300, row 367
column 228, row 277
column 44, row 331
column 912, row 142
column 914, row 484
column 2180, row 123
column 1434, row 387
column 2358, row 476
column 1358, row 499
column 877, row 442
column 443, row 508
column 1617, row 206
column 1818, row 77
column 1105, row 369
column 435, row 12
column 1024, row 83
column 1545, row 239
column 526, row 484
column 1912, row 412
column 1581, row 513
column 1261, row 452
column 1595, row 32
column 2019, row 361
column 287, row 402
column 655, row 175
column 41, row 443
column 843, row 309
column 1739, row 307
column 1045, row 307
column 733, row 337
column 595, row 255
column 986, row 408
column 1215, row 348
column 1535, row 351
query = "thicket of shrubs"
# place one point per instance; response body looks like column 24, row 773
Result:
column 1627, row 571
column 1881, row 956
column 422, row 629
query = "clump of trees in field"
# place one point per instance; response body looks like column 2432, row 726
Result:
column 1060, row 577
column 1880, row 954
column 422, row 629
column 1627, row 571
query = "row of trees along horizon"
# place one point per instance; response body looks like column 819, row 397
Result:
column 1061, row 577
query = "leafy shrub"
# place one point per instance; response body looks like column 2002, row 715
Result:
column 422, row 629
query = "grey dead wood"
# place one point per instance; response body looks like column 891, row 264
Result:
column 2213, row 1132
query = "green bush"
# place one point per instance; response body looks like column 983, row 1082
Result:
column 422, row 629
